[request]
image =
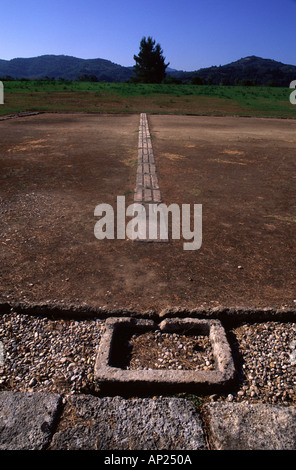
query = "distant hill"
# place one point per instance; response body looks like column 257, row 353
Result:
column 247, row 71
column 62, row 66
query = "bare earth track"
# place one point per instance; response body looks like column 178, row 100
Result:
column 56, row 168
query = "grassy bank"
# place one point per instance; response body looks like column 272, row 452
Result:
column 48, row 95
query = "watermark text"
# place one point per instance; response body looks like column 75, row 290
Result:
column 1, row 93
column 293, row 94
column 150, row 222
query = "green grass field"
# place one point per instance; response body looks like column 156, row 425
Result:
column 48, row 95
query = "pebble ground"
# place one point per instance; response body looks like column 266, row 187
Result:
column 58, row 356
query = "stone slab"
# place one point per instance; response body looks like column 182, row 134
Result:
column 244, row 426
column 115, row 423
column 147, row 180
column 156, row 195
column 27, row 420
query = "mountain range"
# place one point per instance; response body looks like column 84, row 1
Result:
column 63, row 66
column 250, row 70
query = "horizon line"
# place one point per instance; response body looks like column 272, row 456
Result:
column 131, row 66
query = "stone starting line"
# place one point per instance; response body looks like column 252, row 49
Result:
column 147, row 187
column 147, row 190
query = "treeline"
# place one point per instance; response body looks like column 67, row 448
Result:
column 168, row 80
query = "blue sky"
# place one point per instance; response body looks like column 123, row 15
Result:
column 192, row 33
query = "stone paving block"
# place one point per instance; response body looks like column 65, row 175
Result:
column 154, row 180
column 244, row 426
column 138, row 196
column 156, row 195
column 139, row 180
column 27, row 420
column 110, row 375
column 151, row 158
column 115, row 423
column 140, row 156
column 147, row 195
column 147, row 181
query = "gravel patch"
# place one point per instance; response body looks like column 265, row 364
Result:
column 39, row 354
column 268, row 362
column 156, row 350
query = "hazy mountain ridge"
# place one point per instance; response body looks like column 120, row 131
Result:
column 61, row 66
column 250, row 70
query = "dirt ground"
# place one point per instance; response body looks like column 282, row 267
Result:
column 56, row 168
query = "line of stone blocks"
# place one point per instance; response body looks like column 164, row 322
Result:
column 109, row 375
column 147, row 188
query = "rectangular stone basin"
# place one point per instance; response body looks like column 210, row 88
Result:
column 112, row 374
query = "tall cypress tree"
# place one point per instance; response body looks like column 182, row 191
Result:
column 150, row 64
